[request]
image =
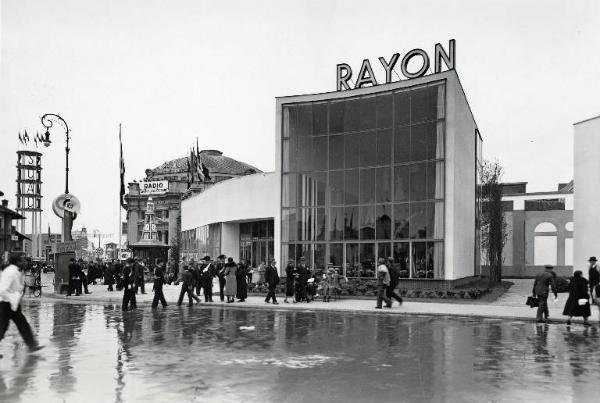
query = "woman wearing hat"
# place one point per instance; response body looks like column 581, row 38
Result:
column 578, row 301
column 229, row 272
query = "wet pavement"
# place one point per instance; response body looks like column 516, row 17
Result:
column 96, row 353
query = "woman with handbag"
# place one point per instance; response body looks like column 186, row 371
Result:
column 578, row 303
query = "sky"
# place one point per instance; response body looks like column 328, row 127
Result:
column 171, row 71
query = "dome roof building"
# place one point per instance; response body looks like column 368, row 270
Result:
column 177, row 186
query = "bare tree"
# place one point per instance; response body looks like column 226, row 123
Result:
column 493, row 224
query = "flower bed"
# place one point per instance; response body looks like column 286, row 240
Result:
column 363, row 287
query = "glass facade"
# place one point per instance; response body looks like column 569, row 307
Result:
column 362, row 178
column 201, row 241
column 256, row 242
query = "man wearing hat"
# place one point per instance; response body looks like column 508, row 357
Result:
column 543, row 281
column 594, row 279
column 303, row 276
column 206, row 278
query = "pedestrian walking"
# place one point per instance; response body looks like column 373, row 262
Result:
column 394, row 281
column 128, row 283
column 241, row 277
column 230, row 272
column 138, row 273
column 578, row 303
column 187, row 287
column 272, row 279
column 109, row 276
column 327, row 284
column 543, row 282
column 383, row 282
column 290, row 281
column 157, row 288
column 12, row 284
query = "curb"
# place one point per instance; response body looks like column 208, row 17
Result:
column 304, row 308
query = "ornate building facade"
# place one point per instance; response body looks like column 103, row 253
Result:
column 167, row 202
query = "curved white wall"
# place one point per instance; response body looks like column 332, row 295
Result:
column 245, row 198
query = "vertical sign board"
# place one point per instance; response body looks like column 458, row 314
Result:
column 29, row 195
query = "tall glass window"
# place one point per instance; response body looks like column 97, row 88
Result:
column 363, row 178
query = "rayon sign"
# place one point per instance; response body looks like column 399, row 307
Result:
column 367, row 77
column 154, row 187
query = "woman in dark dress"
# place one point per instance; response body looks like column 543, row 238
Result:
column 578, row 290
column 290, row 280
column 242, row 285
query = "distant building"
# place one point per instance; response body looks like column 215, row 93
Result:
column 540, row 230
column 10, row 239
column 167, row 200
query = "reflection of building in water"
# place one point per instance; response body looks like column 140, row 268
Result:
column 383, row 171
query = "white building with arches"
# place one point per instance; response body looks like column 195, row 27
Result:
column 540, row 230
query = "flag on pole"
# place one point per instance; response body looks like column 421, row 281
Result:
column 26, row 137
column 205, row 172
column 20, row 138
column 199, row 164
column 122, row 172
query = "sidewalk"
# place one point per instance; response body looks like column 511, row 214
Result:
column 511, row 305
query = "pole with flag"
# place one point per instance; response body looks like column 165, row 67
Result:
column 121, row 190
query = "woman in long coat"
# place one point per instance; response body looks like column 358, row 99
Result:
column 230, row 271
column 290, row 280
column 578, row 290
column 242, row 285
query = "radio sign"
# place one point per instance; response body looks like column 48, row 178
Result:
column 154, row 187
column 366, row 77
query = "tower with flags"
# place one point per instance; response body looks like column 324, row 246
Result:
column 29, row 191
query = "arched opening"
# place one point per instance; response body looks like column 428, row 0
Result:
column 545, row 244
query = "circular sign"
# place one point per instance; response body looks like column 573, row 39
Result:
column 66, row 202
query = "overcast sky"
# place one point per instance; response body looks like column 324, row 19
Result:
column 171, row 71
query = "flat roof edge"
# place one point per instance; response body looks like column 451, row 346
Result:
column 586, row 120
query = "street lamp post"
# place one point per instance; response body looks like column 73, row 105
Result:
column 48, row 121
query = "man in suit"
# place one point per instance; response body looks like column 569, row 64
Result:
column 543, row 282
column 272, row 279
column 74, row 278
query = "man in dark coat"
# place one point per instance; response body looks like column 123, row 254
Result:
column 303, row 276
column 394, row 270
column 543, row 282
column 83, row 277
column 242, row 286
column 129, row 301
column 109, row 276
column 272, row 279
column 138, row 275
column 207, row 278
column 74, row 278
column 221, row 275
column 159, row 281
column 187, row 287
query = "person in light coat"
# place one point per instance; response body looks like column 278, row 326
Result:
column 229, row 272
column 12, row 285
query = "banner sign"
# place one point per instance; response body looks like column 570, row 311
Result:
column 154, row 187
column 124, row 254
column 62, row 247
column 366, row 76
